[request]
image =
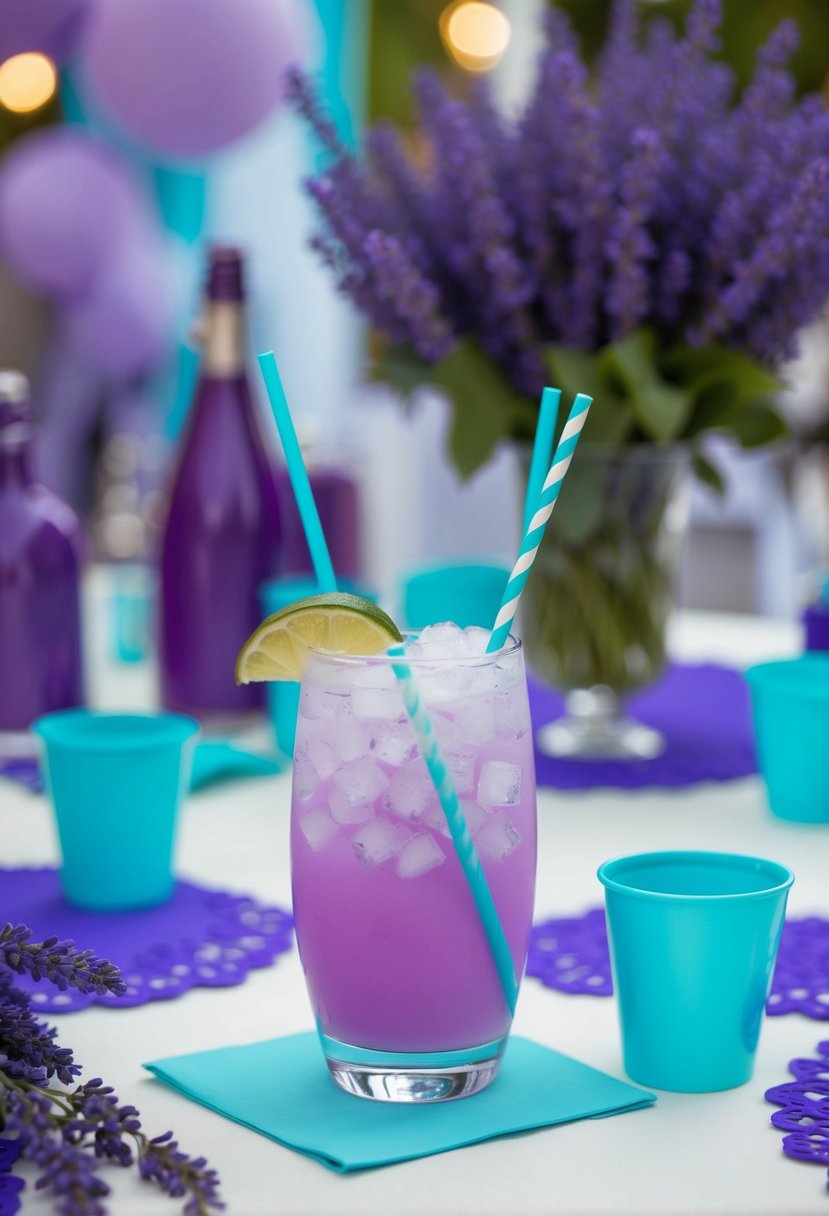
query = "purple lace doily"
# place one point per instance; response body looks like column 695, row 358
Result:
column 10, row 1184
column 571, row 954
column 199, row 938
column 805, row 1114
column 702, row 710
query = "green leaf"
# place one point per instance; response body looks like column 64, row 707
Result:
column 576, row 371
column 399, row 367
column 485, row 405
column 708, row 473
column 723, row 383
column 661, row 409
column 756, row 425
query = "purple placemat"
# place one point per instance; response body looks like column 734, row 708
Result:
column 570, row 954
column 702, row 710
column 199, row 938
column 805, row 1114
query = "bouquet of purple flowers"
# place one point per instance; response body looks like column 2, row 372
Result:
column 639, row 232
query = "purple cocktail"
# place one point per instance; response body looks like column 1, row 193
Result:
column 399, row 968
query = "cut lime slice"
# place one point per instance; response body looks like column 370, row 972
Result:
column 336, row 622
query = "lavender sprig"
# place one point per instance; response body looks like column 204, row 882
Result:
column 68, row 1134
column 58, row 961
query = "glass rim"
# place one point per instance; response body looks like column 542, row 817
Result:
column 513, row 646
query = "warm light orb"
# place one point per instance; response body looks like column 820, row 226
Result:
column 475, row 34
column 27, row 82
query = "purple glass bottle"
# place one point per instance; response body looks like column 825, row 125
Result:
column 222, row 533
column 41, row 666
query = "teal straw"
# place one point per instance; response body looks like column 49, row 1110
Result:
column 298, row 474
column 534, row 531
column 542, row 447
column 462, row 840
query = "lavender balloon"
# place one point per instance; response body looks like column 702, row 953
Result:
column 49, row 26
column 187, row 78
column 66, row 203
column 125, row 326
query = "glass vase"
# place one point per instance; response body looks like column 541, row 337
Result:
column 595, row 609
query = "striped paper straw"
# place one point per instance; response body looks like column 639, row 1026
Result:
column 538, row 524
column 462, row 840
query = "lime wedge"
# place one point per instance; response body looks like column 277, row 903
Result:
column 336, row 622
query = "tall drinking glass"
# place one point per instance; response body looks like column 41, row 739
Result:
column 399, row 968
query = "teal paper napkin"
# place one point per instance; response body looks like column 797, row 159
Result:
column 281, row 1088
column 215, row 760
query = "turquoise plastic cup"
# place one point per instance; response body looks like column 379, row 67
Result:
column 693, row 939
column 283, row 695
column 790, row 700
column 466, row 593
column 116, row 782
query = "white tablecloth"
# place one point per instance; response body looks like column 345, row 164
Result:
column 706, row 1153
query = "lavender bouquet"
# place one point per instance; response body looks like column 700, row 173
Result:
column 68, row 1132
column 638, row 232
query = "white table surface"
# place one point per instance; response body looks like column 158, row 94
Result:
column 706, row 1153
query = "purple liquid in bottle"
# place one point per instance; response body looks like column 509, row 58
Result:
column 222, row 534
column 41, row 665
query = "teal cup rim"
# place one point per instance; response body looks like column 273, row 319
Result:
column 437, row 569
column 611, row 875
column 792, row 677
column 103, row 732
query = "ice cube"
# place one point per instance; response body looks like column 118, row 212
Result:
column 444, row 640
column 346, row 812
column 462, row 764
column 512, row 713
column 321, row 755
column 392, row 742
column 377, row 703
column 318, row 828
column 355, row 786
column 305, row 779
column 446, row 732
column 498, row 837
column 410, row 790
column 316, row 702
column 421, row 854
column 378, row 841
column 499, row 783
column 348, row 738
column 477, row 639
column 474, row 815
column 475, row 720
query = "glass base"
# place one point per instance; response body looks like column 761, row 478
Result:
column 595, row 728
column 395, row 1077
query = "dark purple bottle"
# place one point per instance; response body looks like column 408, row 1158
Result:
column 222, row 533
column 41, row 666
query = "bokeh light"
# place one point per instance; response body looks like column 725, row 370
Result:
column 27, row 82
column 475, row 34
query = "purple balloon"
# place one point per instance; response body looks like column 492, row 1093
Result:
column 49, row 26
column 186, row 77
column 65, row 204
column 125, row 327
